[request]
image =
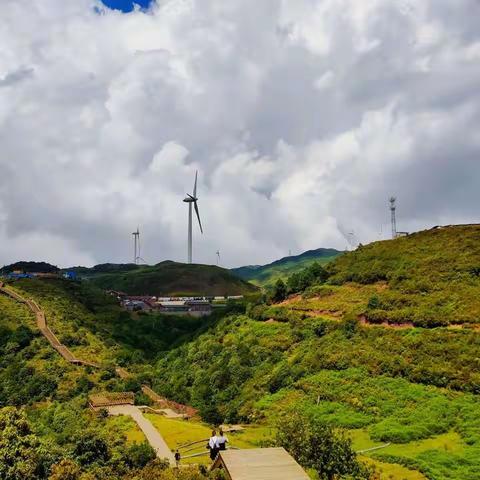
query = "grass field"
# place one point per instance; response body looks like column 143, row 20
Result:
column 128, row 427
column 336, row 300
column 181, row 432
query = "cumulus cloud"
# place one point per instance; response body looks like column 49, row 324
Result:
column 299, row 116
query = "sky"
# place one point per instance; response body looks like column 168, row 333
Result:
column 126, row 5
column 302, row 118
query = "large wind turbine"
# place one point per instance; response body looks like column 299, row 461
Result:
column 192, row 200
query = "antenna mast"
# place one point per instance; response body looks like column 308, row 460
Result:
column 393, row 208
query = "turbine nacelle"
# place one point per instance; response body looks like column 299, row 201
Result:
column 190, row 199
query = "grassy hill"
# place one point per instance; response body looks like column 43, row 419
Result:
column 322, row 351
column 352, row 351
column 264, row 275
column 430, row 278
column 167, row 278
column 29, row 267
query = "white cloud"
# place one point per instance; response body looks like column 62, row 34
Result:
column 298, row 115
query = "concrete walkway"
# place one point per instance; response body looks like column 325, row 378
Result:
column 151, row 433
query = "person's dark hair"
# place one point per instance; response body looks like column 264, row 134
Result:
column 213, row 433
column 221, row 432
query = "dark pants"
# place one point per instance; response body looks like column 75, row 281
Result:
column 213, row 453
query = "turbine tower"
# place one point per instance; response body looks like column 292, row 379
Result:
column 136, row 246
column 192, row 200
column 218, row 257
column 393, row 208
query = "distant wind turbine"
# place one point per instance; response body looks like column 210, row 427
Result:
column 192, row 200
column 136, row 245
column 349, row 236
column 218, row 257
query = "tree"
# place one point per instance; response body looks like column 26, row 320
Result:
column 65, row 470
column 279, row 291
column 139, row 454
column 19, row 448
column 90, row 448
column 318, row 446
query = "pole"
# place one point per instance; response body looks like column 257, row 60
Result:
column 394, row 221
column 135, row 248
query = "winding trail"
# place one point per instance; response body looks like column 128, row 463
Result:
column 151, row 433
column 64, row 351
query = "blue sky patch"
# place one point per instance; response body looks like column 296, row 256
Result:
column 126, row 5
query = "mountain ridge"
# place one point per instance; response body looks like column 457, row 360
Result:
column 264, row 275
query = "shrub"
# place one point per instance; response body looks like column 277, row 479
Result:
column 317, row 446
column 139, row 454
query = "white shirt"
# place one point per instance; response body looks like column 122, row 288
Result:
column 222, row 439
column 213, row 442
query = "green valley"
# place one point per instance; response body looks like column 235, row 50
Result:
column 381, row 343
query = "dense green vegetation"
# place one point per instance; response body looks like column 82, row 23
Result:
column 313, row 344
column 267, row 275
column 319, row 447
column 94, row 326
column 57, row 436
column 389, row 383
column 433, row 276
column 66, row 442
column 30, row 267
column 170, row 279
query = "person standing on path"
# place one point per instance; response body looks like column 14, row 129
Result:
column 213, row 446
column 222, row 440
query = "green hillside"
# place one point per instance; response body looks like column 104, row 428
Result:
column 383, row 344
column 414, row 388
column 264, row 275
column 30, row 267
column 168, row 278
column 431, row 278
column 55, row 435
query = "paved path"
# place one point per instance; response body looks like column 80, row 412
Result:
column 151, row 433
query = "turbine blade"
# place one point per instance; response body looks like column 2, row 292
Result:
column 195, row 185
column 198, row 216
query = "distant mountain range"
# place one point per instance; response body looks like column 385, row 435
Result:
column 263, row 275
column 172, row 278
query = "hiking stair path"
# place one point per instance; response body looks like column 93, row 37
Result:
column 150, row 432
column 45, row 329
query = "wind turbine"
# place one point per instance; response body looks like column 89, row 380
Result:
column 218, row 257
column 192, row 200
column 136, row 245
